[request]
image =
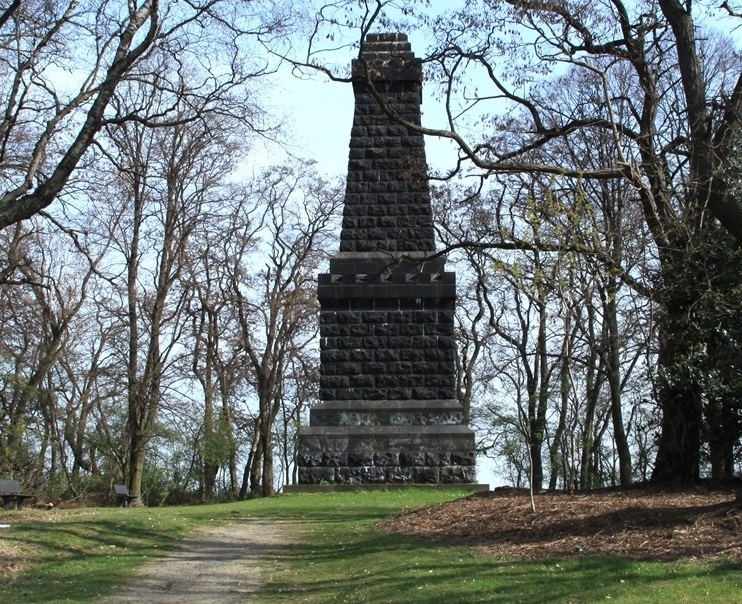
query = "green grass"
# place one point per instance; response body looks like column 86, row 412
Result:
column 336, row 556
column 76, row 555
column 342, row 558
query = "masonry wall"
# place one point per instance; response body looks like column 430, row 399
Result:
column 387, row 374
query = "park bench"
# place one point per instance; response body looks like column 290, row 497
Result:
column 123, row 496
column 10, row 492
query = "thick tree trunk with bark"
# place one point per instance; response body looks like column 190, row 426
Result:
column 679, row 389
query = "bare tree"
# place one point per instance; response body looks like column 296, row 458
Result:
column 163, row 183
column 218, row 362
column 276, row 303
column 62, row 64
column 669, row 105
column 39, row 299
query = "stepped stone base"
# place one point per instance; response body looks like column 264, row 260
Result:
column 414, row 454
column 389, row 414
column 332, row 488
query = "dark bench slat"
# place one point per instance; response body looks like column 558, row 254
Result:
column 123, row 496
column 10, row 492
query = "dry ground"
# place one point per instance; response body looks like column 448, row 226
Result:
column 643, row 524
column 219, row 566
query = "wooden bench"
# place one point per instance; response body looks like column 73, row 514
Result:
column 123, row 496
column 10, row 492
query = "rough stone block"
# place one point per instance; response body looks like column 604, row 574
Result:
column 387, row 349
column 400, row 343
column 334, row 460
column 401, row 368
column 328, row 343
column 396, row 474
column 411, row 329
column 361, row 355
column 457, row 474
column 445, row 355
column 437, row 458
column 411, row 354
column 329, row 357
column 360, row 459
column 427, row 367
column 439, row 329
column 389, row 329
column 424, row 393
column 363, row 381
column 373, row 342
column 463, row 458
column 316, row 475
column 388, row 354
column 349, row 476
column 373, row 317
column 439, row 380
column 385, row 380
column 426, row 475
column 386, row 459
column 373, row 475
column 373, row 394
column 360, row 330
column 399, row 394
column 411, row 381
column 412, row 458
column 424, row 342
column 350, row 368
column 310, row 460
column 375, row 368
column 328, row 394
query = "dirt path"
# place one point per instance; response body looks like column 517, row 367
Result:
column 220, row 565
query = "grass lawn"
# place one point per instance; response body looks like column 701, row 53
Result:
column 76, row 555
column 338, row 556
column 343, row 559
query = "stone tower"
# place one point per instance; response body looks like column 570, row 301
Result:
column 389, row 412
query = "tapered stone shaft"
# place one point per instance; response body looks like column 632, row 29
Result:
column 388, row 411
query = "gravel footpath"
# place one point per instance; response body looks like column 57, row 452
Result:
column 219, row 565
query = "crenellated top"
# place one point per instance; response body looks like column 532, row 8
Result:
column 387, row 58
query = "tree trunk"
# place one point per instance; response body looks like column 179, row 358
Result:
column 268, row 489
column 256, row 466
column 613, row 370
column 677, row 459
column 556, row 444
column 137, row 454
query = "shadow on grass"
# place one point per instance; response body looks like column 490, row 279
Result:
column 389, row 569
column 343, row 558
column 336, row 554
column 75, row 559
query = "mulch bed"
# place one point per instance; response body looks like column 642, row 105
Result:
column 698, row 524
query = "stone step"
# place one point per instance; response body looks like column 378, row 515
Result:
column 387, row 413
column 387, row 431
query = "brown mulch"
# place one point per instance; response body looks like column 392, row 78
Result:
column 642, row 524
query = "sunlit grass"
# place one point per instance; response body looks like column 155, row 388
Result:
column 76, row 555
column 336, row 554
column 343, row 558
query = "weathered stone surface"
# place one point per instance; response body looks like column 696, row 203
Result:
column 387, row 372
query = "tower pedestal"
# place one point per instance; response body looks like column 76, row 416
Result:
column 389, row 413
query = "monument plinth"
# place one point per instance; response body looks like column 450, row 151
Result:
column 388, row 411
